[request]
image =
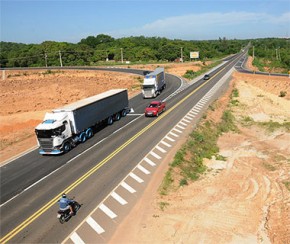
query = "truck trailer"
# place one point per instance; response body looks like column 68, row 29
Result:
column 154, row 83
column 65, row 127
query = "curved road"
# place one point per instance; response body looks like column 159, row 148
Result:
column 91, row 170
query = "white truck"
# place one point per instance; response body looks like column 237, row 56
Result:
column 65, row 127
column 154, row 83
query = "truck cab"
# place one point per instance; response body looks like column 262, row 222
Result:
column 52, row 133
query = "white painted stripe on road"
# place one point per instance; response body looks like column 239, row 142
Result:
column 182, row 123
column 160, row 149
column 194, row 112
column 149, row 162
column 127, row 187
column 189, row 116
column 171, row 133
column 165, row 143
column 76, row 239
column 145, row 171
column 95, row 226
column 179, row 126
column 155, row 155
column 195, row 109
column 107, row 211
column 199, row 107
column 169, row 138
column 118, row 198
column 177, row 130
column 135, row 177
column 187, row 121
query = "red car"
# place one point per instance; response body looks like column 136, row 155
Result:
column 155, row 108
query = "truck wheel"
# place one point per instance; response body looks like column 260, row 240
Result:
column 83, row 137
column 89, row 133
column 124, row 113
column 117, row 116
column 66, row 147
column 110, row 120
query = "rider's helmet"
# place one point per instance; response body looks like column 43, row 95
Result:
column 64, row 195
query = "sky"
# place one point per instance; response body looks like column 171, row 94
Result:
column 36, row 21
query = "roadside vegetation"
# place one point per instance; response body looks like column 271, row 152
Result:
column 271, row 54
column 103, row 49
column 190, row 74
column 187, row 165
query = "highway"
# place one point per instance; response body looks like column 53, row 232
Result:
column 32, row 184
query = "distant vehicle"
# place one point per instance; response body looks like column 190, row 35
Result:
column 154, row 83
column 206, row 77
column 155, row 108
column 65, row 127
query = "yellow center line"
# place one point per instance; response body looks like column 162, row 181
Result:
column 34, row 216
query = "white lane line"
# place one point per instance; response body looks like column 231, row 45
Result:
column 127, row 187
column 182, row 123
column 198, row 106
column 118, row 198
column 149, row 162
column 76, row 239
column 177, row 130
column 95, row 226
column 179, row 126
column 165, row 143
column 160, row 149
column 169, row 138
column 135, row 177
column 107, row 211
column 155, row 155
column 188, row 117
column 145, row 171
column 171, row 133
column 187, row 121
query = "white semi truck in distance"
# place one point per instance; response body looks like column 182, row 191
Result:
column 154, row 83
column 65, row 127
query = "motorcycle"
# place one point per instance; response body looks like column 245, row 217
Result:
column 64, row 215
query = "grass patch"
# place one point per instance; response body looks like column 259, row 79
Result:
column 287, row 184
column 269, row 166
column 272, row 125
column 163, row 205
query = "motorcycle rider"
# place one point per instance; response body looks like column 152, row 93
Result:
column 66, row 203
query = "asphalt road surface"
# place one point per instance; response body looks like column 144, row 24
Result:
column 32, row 184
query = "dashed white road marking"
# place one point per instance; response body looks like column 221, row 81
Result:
column 107, row 211
column 118, row 198
column 182, row 123
column 145, row 171
column 169, row 138
column 127, row 187
column 165, row 143
column 155, row 155
column 177, row 130
column 171, row 133
column 189, row 117
column 76, row 239
column 179, row 126
column 149, row 162
column 95, row 226
column 160, row 149
column 135, row 177
column 187, row 121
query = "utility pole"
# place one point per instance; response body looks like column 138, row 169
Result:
column 253, row 53
column 122, row 55
column 60, row 58
column 181, row 55
column 45, row 57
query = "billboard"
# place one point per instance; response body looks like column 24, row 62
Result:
column 194, row 54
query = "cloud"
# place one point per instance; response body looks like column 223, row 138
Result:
column 206, row 25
